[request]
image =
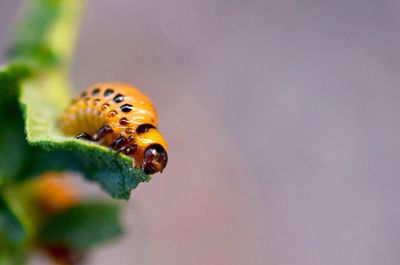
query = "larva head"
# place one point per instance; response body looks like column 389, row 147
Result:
column 155, row 159
column 150, row 141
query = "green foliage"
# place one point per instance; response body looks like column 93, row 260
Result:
column 18, row 214
column 30, row 43
column 13, row 148
column 12, row 256
column 17, row 219
column 83, row 226
column 12, row 231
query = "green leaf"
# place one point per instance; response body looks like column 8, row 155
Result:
column 13, row 256
column 30, row 41
column 45, row 95
column 13, row 148
column 12, row 231
column 19, row 214
column 15, row 153
column 83, row 226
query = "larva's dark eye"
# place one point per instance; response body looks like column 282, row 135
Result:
column 155, row 159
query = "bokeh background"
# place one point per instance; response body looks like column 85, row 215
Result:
column 283, row 123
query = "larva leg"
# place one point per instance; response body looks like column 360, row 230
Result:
column 123, row 144
column 84, row 135
column 119, row 143
column 131, row 149
column 127, row 149
column 103, row 131
column 122, row 149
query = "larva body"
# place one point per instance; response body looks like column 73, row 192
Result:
column 121, row 117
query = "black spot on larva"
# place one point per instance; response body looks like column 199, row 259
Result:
column 112, row 113
column 124, row 121
column 144, row 128
column 96, row 101
column 108, row 92
column 119, row 98
column 129, row 131
column 96, row 91
column 104, row 106
column 126, row 108
column 83, row 94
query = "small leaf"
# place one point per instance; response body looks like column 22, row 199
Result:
column 83, row 226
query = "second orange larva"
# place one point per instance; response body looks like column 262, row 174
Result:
column 120, row 116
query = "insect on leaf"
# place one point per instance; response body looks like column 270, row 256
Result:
column 46, row 94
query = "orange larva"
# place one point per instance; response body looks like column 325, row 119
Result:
column 121, row 117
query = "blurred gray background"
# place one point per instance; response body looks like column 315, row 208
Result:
column 282, row 118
